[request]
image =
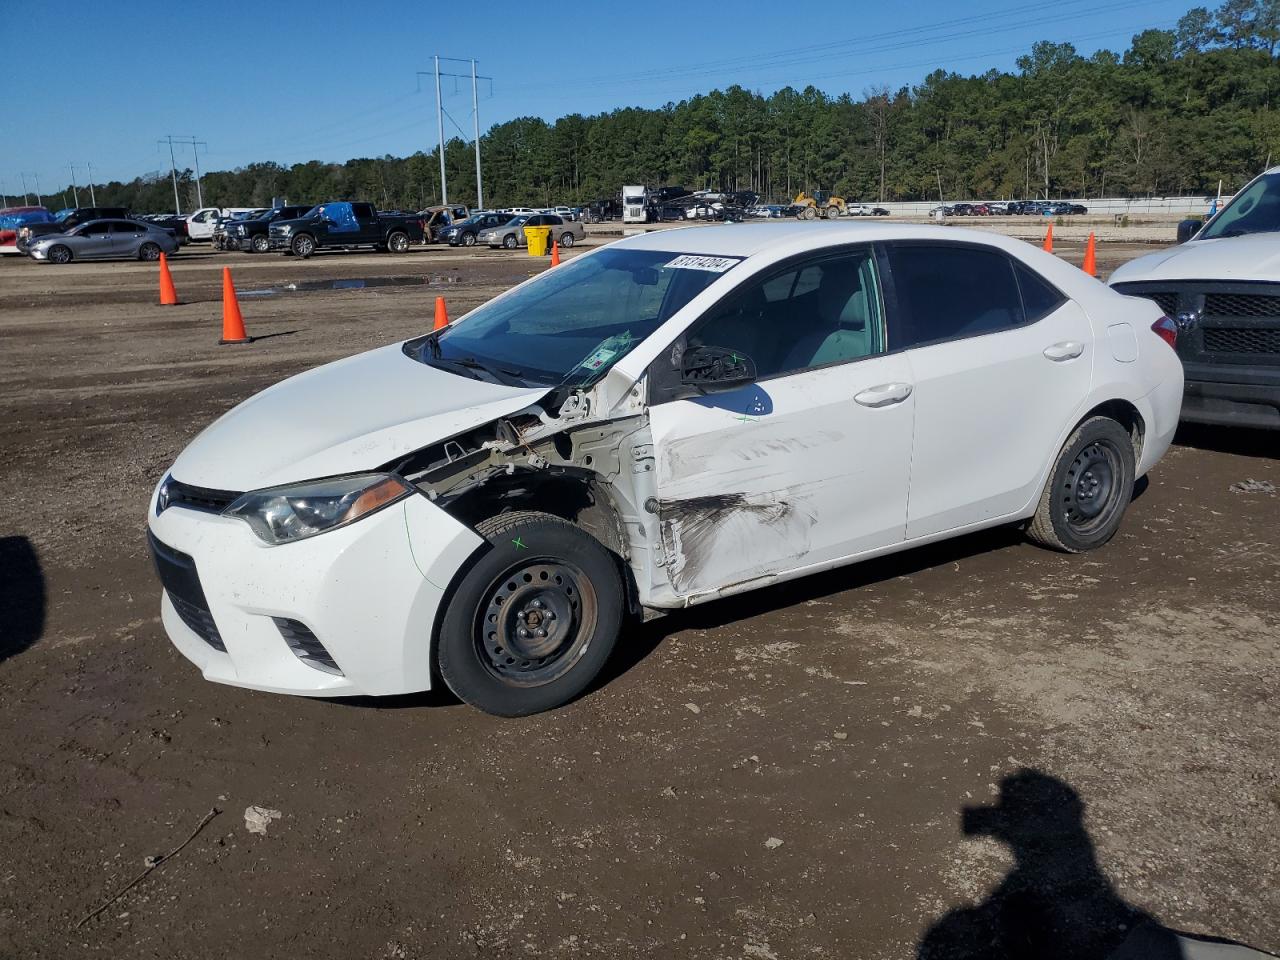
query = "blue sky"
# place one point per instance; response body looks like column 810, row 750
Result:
column 88, row 80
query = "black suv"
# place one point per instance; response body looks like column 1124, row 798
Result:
column 254, row 236
column 68, row 220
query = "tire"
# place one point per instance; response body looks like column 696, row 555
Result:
column 302, row 246
column 59, row 254
column 149, row 251
column 1089, row 488
column 567, row 239
column 509, row 242
column 539, row 569
column 260, row 244
column 468, row 239
column 831, row 213
column 398, row 241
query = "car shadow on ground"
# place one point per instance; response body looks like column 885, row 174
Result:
column 1242, row 441
column 1055, row 903
column 23, row 596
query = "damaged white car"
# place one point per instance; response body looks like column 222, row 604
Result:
column 665, row 420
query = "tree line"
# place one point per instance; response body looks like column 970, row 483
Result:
column 1177, row 112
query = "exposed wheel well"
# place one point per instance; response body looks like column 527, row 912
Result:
column 1127, row 415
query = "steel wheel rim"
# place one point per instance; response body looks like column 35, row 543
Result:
column 535, row 622
column 1091, row 487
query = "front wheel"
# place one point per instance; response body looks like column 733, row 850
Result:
column 59, row 254
column 261, row 244
column 302, row 246
column 510, row 242
column 1088, row 490
column 149, row 251
column 468, row 239
column 532, row 623
column 567, row 239
column 398, row 242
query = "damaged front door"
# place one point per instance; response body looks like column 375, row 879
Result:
column 806, row 465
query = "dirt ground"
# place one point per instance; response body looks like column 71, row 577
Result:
column 908, row 757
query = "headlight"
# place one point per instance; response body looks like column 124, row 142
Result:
column 283, row 514
column 283, row 230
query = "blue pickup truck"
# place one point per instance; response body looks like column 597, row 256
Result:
column 342, row 225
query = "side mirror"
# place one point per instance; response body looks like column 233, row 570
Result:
column 715, row 369
column 1187, row 229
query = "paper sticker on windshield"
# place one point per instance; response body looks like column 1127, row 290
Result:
column 598, row 359
column 689, row 261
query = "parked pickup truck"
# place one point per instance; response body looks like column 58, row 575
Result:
column 252, row 235
column 345, row 226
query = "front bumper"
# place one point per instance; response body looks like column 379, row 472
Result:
column 1232, row 395
column 369, row 592
column 279, row 243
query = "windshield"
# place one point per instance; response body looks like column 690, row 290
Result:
column 1255, row 209
column 634, row 200
column 575, row 322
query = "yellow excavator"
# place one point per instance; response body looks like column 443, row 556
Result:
column 821, row 204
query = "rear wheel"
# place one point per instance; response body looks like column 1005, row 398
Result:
column 149, row 251
column 303, row 246
column 1088, row 490
column 398, row 242
column 567, row 239
column 59, row 254
column 531, row 624
column 261, row 244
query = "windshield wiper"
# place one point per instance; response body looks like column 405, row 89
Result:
column 472, row 363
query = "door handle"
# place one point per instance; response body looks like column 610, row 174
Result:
column 883, row 395
column 1064, row 350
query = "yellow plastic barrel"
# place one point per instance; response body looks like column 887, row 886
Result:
column 538, row 240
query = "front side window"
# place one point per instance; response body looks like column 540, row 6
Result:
column 945, row 292
column 95, row 229
column 1256, row 209
column 571, row 325
column 804, row 316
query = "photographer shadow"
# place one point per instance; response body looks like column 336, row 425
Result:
column 1056, row 903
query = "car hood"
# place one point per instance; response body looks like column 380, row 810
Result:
column 344, row 417
column 1251, row 257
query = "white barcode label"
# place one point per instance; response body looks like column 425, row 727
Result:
column 690, row 261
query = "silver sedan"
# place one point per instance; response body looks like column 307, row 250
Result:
column 105, row 240
column 511, row 234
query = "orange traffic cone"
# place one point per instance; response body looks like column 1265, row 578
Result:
column 442, row 314
column 1048, row 240
column 555, row 253
column 168, row 295
column 232, row 322
column 1090, row 265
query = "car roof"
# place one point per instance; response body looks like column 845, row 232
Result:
column 748, row 239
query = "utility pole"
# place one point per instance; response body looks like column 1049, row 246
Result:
column 92, row 199
column 195, row 146
column 475, row 124
column 173, row 171
column 444, row 183
column 475, row 119
column 75, row 191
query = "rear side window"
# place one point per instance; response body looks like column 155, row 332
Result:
column 947, row 292
column 362, row 210
column 123, row 226
column 1039, row 297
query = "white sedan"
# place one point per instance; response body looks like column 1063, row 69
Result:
column 669, row 419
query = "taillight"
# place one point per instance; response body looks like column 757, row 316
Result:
column 1166, row 330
